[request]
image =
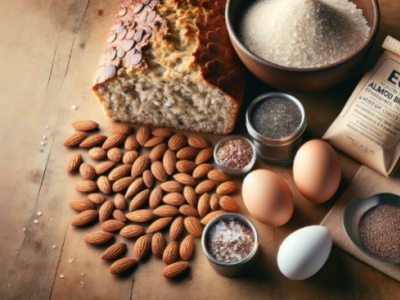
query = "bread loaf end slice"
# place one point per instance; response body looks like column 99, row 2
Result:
column 171, row 64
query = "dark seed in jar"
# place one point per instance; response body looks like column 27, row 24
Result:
column 235, row 154
column 380, row 230
column 276, row 117
column 230, row 241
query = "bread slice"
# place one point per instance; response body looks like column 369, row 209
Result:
column 170, row 64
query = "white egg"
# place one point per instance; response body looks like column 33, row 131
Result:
column 304, row 252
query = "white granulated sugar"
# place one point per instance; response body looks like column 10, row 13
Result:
column 303, row 33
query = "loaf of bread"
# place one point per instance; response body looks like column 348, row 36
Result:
column 170, row 63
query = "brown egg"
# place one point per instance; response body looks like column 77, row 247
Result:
column 267, row 197
column 316, row 171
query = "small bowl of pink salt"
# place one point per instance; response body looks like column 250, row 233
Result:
column 373, row 225
column 303, row 45
column 230, row 243
column 235, row 155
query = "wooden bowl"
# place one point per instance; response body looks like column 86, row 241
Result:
column 301, row 79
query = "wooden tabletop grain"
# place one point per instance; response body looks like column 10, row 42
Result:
column 48, row 53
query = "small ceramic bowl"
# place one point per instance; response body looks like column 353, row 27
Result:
column 301, row 79
column 228, row 166
column 221, row 255
column 353, row 213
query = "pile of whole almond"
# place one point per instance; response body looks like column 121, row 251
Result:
column 154, row 188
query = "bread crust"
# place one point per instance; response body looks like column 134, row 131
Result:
column 146, row 33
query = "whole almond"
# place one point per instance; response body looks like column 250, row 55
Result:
column 166, row 211
column 186, row 247
column 226, row 188
column 115, row 154
column 74, row 139
column 187, row 153
column 112, row 225
column 85, row 125
column 104, row 184
column 148, row 178
column 119, row 201
column 198, row 141
column 142, row 246
column 171, row 253
column 139, row 200
column 229, row 204
column 140, row 215
column 74, row 163
column 97, row 153
column 87, row 171
column 158, row 171
column 175, row 269
column 203, row 205
column 211, row 216
column 122, row 184
column 122, row 265
column 193, row 226
column 205, row 186
column 171, row 186
column 130, row 157
column 98, row 237
column 185, row 166
column 85, row 217
column 204, row 155
column 96, row 198
column 114, row 141
column 169, row 161
column 155, row 197
column 131, row 143
column 184, row 179
column 140, row 164
column 81, row 204
column 176, row 228
column 202, row 170
column 132, row 231
column 159, row 224
column 143, row 134
column 86, row 186
column 157, row 244
column 104, row 167
column 162, row 132
column 106, row 210
column 174, row 198
column 154, row 141
column 190, row 195
column 121, row 128
column 119, row 172
column 157, row 152
column 188, row 210
column 114, row 251
column 119, row 215
column 214, row 201
column 177, row 141
column 217, row 176
column 135, row 187
column 93, row 140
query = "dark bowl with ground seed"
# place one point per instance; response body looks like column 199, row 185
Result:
column 251, row 40
column 373, row 225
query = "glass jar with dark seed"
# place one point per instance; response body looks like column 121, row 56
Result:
column 276, row 122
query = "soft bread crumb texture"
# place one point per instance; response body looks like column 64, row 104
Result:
column 190, row 78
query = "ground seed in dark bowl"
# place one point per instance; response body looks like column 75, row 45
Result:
column 380, row 230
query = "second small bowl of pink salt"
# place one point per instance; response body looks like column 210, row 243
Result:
column 230, row 243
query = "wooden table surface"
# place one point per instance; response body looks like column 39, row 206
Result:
column 48, row 53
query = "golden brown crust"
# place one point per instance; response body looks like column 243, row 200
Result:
column 158, row 40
